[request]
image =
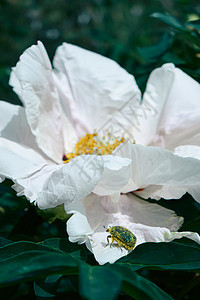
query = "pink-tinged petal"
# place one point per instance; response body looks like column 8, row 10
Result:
column 78, row 178
column 175, row 97
column 148, row 222
column 157, row 166
column 33, row 81
column 150, row 214
column 100, row 90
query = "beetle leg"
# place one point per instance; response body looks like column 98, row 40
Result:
column 112, row 240
column 120, row 245
column 108, row 237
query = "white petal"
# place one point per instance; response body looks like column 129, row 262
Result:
column 21, row 160
column 32, row 79
column 78, row 178
column 104, row 253
column 71, row 182
column 72, row 114
column 17, row 161
column 100, row 88
column 188, row 151
column 153, row 102
column 194, row 191
column 178, row 235
column 176, row 98
column 148, row 222
column 78, row 228
column 180, row 122
column 32, row 185
column 147, row 234
column 157, row 192
column 171, row 192
column 14, row 125
column 115, row 176
column 25, row 167
column 157, row 166
column 174, row 192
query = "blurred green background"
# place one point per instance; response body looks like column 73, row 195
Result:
column 119, row 29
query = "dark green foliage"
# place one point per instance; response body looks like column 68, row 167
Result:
column 25, row 261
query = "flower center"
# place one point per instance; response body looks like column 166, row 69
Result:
column 91, row 144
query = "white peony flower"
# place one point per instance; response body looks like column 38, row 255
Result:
column 87, row 92
column 84, row 138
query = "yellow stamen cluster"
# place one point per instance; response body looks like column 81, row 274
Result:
column 89, row 144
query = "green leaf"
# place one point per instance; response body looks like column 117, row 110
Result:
column 170, row 57
column 40, row 292
column 170, row 20
column 99, row 283
column 4, row 242
column 138, row 286
column 168, row 256
column 104, row 282
column 16, row 248
column 192, row 225
column 155, row 52
column 76, row 250
column 23, row 261
column 11, row 202
column 47, row 288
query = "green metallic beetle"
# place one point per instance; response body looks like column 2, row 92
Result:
column 124, row 237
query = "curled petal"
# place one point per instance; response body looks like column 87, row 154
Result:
column 78, row 178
